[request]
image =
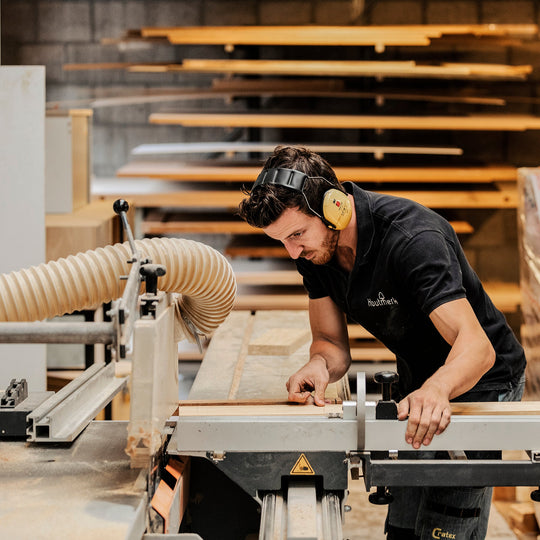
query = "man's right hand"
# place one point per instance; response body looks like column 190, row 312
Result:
column 313, row 376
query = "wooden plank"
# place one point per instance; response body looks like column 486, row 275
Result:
column 458, row 409
column 260, row 377
column 189, row 224
column 372, row 354
column 279, row 341
column 176, row 224
column 501, row 407
column 379, row 36
column 238, row 402
column 289, row 409
column 231, row 199
column 171, row 170
column 235, row 147
column 100, row 66
column 282, row 86
column 340, row 68
column 478, row 122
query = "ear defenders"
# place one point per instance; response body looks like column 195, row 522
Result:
column 336, row 206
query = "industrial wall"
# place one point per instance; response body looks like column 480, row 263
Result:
column 54, row 33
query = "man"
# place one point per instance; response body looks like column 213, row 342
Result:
column 396, row 268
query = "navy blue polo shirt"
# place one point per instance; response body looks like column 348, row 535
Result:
column 408, row 262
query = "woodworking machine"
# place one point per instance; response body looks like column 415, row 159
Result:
column 281, row 471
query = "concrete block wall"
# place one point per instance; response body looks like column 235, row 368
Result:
column 54, row 32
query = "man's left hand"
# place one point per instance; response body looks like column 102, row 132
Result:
column 429, row 414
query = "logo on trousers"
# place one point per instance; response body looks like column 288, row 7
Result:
column 439, row 533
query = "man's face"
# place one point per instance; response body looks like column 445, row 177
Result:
column 304, row 236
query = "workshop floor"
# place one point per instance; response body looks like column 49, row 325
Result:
column 365, row 521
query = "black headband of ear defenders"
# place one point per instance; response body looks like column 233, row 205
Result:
column 282, row 177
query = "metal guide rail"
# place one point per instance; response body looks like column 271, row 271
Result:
column 367, row 439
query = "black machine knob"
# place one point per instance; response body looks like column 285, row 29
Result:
column 386, row 407
column 151, row 272
column 386, row 379
column 120, row 205
column 535, row 495
column 381, row 496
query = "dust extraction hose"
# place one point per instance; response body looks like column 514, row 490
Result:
column 84, row 281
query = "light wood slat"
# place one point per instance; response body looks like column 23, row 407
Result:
column 342, row 121
column 292, row 409
column 233, row 147
column 231, row 199
column 100, row 66
column 201, row 227
column 340, row 68
column 235, row 250
column 357, row 331
column 182, row 171
column 269, row 277
column 242, row 402
column 330, row 35
column 278, row 86
column 372, row 354
column 229, row 88
column 490, row 408
column 173, row 226
column 318, row 68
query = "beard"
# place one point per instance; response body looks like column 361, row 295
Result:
column 324, row 254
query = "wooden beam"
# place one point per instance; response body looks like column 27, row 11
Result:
column 230, row 173
column 268, row 147
column 378, row 36
column 336, row 68
column 479, row 122
column 490, row 408
column 334, row 89
column 230, row 199
column 292, row 409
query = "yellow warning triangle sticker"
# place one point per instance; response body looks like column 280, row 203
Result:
column 302, row 466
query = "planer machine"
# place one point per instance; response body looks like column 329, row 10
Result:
column 207, row 468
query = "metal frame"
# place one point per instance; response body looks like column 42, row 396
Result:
column 442, row 472
column 65, row 414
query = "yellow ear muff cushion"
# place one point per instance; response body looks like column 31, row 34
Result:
column 337, row 209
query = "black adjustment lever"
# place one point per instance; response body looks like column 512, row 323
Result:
column 381, row 496
column 386, row 407
column 121, row 207
column 151, row 272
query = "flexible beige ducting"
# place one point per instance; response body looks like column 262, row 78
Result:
column 84, row 281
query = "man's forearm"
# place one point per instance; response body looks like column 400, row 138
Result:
column 463, row 368
column 336, row 359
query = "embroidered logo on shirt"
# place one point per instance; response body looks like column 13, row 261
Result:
column 382, row 301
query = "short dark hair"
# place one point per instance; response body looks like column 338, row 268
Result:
column 268, row 201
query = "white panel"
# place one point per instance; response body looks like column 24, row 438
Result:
column 22, row 200
column 58, row 165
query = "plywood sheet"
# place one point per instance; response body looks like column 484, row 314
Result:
column 279, row 341
column 229, row 372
